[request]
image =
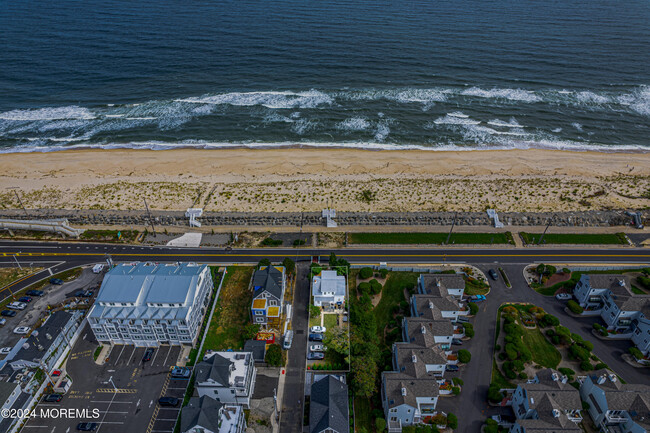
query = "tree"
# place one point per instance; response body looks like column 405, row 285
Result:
column 274, row 355
column 540, row 268
column 365, row 273
column 464, row 356
column 314, row 311
column 564, row 334
column 263, row 263
column 494, row 393
column 550, row 270
column 380, row 425
column 469, row 329
column 473, row 308
column 635, row 352
column 364, row 287
column 337, row 340
column 315, row 268
column 375, row 287
column 289, row 265
column 364, row 370
column 251, row 331
column 452, row 421
column 550, row 320
column 574, row 307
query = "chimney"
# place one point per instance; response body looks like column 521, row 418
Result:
column 612, row 377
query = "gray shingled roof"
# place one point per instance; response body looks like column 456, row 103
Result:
column 432, row 328
column 257, row 348
column 566, row 396
column 442, row 303
column 201, row 411
column 394, row 382
column 328, row 407
column 268, row 280
column 38, row 342
column 216, row 368
column 447, row 281
column 608, row 281
column 424, row 355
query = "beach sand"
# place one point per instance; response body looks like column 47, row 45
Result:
column 309, row 179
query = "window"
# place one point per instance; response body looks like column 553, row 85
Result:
column 273, row 302
column 259, row 319
column 259, row 313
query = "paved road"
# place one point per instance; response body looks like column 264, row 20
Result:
column 294, row 385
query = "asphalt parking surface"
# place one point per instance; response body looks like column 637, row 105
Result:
column 120, row 395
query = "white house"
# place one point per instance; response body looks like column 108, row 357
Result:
column 437, row 307
column 441, row 285
column 149, row 304
column 427, row 333
column 206, row 415
column 228, row 377
column 615, row 406
column 328, row 289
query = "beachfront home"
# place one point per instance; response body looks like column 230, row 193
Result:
column 329, row 406
column 615, row 406
column 427, row 333
column 228, row 377
column 441, row 285
column 268, row 296
column 328, row 289
column 148, row 304
column 547, row 401
column 417, row 361
column 206, row 415
column 437, row 307
column 406, row 399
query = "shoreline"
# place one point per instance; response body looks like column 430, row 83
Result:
column 307, row 179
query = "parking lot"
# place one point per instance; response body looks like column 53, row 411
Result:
column 37, row 308
column 123, row 393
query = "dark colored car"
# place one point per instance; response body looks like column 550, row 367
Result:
column 35, row 293
column 57, row 281
column 452, row 368
column 147, row 355
column 83, row 294
column 25, row 299
column 315, row 355
column 53, row 398
column 87, row 426
column 315, row 337
column 456, row 342
column 181, row 373
column 7, row 313
column 493, row 274
column 168, row 401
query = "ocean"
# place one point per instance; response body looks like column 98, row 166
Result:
column 436, row 74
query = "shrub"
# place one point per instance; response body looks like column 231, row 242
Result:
column 380, row 424
column 510, row 374
column 452, row 421
column 274, row 355
column 566, row 270
column 464, row 356
column 469, row 329
column 550, row 270
column 364, row 287
column 502, row 356
column 587, row 345
column 523, row 376
column 600, row 366
column 550, row 320
column 635, row 352
column 574, row 307
column 644, row 281
column 586, row 366
column 375, row 287
column 383, row 273
column 494, row 394
column 314, row 311
column 511, row 351
column 550, row 332
column 555, row 340
column 497, row 347
column 365, row 273
column 457, row 381
column 578, row 352
column 517, row 365
column 540, row 268
column 566, row 371
column 455, row 390
column 473, row 308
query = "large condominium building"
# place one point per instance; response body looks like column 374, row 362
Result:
column 148, row 304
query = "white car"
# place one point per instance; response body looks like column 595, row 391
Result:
column 17, row 305
column 98, row 268
column 3, row 321
column 317, row 329
column 563, row 296
column 5, row 350
column 317, row 348
column 21, row 330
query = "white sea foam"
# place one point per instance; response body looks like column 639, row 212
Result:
column 353, row 124
column 450, row 119
column 382, row 132
column 577, row 126
column 302, row 126
column 519, row 95
column 277, row 100
column 49, row 113
column 512, row 123
column 458, row 114
column 592, row 98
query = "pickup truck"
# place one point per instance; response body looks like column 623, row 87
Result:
column 476, row 298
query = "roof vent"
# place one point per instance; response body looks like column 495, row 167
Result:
column 423, row 329
column 404, row 391
column 414, row 358
column 556, row 413
column 431, row 305
column 601, row 379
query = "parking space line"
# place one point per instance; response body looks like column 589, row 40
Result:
column 155, row 354
column 170, row 351
column 131, row 357
column 120, row 355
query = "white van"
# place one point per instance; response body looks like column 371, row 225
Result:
column 17, row 305
column 288, row 338
column 98, row 268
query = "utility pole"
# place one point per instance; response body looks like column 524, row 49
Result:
column 153, row 229
column 542, row 236
column 453, row 223
column 18, row 263
column 21, row 202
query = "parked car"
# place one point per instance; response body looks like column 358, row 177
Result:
column 563, row 296
column 181, row 373
column 452, row 367
column 53, row 398
column 493, row 274
column 87, row 426
column 25, row 299
column 315, row 337
column 35, row 293
column 315, row 355
column 318, row 348
column 17, row 305
column 456, row 342
column 168, row 401
column 147, row 355
column 3, row 321
column 463, row 319
column 317, row 329
column 21, row 330
column 83, row 293
column 56, row 373
column 57, row 281
column 7, row 313
column 5, row 350
column 98, row 268
column 288, row 339
column 477, row 298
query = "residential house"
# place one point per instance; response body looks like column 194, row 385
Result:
column 591, row 288
column 228, row 377
column 147, row 304
column 329, row 406
column 641, row 334
column 206, row 415
column 417, row 361
column 441, row 285
column 437, row 307
column 328, row 289
column 268, row 296
column 406, row 399
column 427, row 333
column 43, row 347
column 257, row 348
column 546, row 403
column 615, row 406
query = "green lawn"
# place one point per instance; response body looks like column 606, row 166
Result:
column 576, row 238
column 544, row 353
column 638, row 291
column 476, row 287
column 9, row 275
column 330, row 321
column 499, row 378
column 232, row 312
column 429, row 238
column 314, row 321
column 363, row 414
column 392, row 294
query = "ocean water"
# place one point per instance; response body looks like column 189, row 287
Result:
column 436, row 74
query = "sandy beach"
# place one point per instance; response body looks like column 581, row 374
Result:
column 309, row 179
